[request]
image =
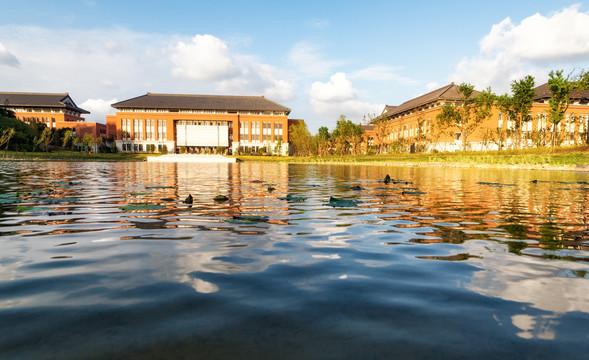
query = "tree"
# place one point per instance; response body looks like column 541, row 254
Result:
column 7, row 134
column 45, row 138
column 300, row 139
column 347, row 136
column 68, row 139
column 323, row 141
column 518, row 105
column 561, row 89
column 87, row 140
column 469, row 114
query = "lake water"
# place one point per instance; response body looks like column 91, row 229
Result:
column 105, row 260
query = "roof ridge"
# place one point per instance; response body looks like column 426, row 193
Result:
column 204, row 95
column 31, row 93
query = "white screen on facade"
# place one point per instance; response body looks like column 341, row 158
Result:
column 202, row 135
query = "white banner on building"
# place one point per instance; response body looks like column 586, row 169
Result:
column 202, row 135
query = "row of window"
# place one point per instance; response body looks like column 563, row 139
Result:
column 569, row 125
column 191, row 111
column 266, row 131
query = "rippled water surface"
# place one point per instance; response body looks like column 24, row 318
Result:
column 105, row 260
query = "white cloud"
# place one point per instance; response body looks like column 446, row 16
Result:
column 380, row 72
column 338, row 89
column 98, row 109
column 7, row 58
column 535, row 46
column 108, row 84
column 209, row 59
column 205, row 57
column 306, row 58
column 339, row 97
column 318, row 23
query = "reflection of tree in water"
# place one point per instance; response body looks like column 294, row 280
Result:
column 517, row 231
column 551, row 235
column 516, row 247
column 452, row 236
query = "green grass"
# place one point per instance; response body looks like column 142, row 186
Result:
column 69, row 156
column 562, row 156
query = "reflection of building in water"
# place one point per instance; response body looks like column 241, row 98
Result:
column 202, row 240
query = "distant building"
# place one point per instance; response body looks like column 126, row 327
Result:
column 56, row 110
column 414, row 124
column 199, row 124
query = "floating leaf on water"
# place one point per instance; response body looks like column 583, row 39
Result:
column 335, row 202
column 9, row 201
column 242, row 222
column 21, row 209
column 254, row 218
column 64, row 183
column 135, row 207
column 60, row 200
column 159, row 187
column 221, row 198
column 289, row 197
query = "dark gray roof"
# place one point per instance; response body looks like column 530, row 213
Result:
column 39, row 100
column 448, row 92
column 201, row 102
column 543, row 93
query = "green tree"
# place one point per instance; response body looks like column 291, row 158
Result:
column 68, row 139
column 87, row 140
column 470, row 112
column 517, row 106
column 347, row 136
column 45, row 138
column 5, row 137
column 300, row 139
column 323, row 141
column 561, row 89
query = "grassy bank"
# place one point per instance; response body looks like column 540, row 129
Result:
column 561, row 157
column 69, row 156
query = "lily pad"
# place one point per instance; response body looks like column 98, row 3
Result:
column 64, row 183
column 241, row 222
column 221, row 198
column 335, row 202
column 60, row 200
column 289, row 197
column 254, row 218
column 22, row 209
column 136, row 207
column 9, row 201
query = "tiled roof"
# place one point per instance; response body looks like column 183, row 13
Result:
column 201, row 102
column 39, row 100
column 448, row 92
column 543, row 93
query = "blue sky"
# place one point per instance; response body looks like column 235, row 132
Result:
column 320, row 58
